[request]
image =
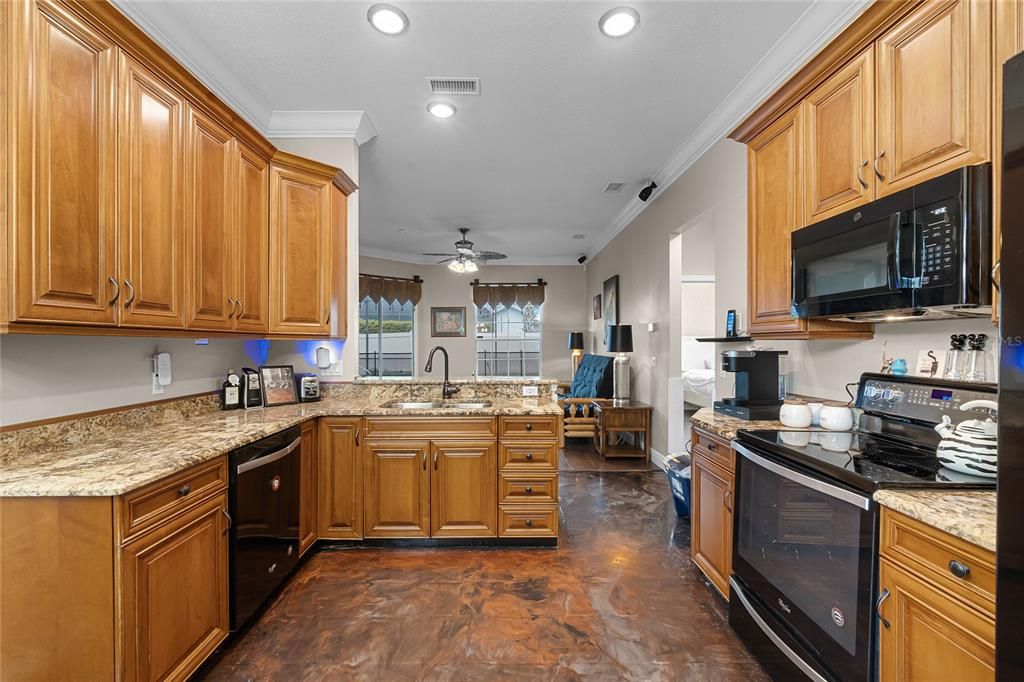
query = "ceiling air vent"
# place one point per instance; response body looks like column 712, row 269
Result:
column 454, row 86
column 614, row 187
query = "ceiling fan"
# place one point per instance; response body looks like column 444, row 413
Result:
column 465, row 258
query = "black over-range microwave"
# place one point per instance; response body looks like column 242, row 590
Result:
column 920, row 253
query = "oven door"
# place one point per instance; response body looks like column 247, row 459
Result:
column 804, row 550
column 854, row 264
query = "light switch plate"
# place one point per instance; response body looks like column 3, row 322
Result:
column 530, row 391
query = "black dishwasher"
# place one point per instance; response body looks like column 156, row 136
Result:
column 264, row 535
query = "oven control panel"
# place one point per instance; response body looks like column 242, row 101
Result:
column 920, row 398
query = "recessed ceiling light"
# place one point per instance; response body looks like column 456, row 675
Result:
column 618, row 22
column 441, row 109
column 387, row 19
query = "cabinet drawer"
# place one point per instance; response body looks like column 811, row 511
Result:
column 714, row 447
column 528, row 427
column 528, row 522
column 528, row 488
column 930, row 553
column 146, row 506
column 533, row 456
column 429, row 427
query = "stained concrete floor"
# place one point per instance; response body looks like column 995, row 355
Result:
column 618, row 599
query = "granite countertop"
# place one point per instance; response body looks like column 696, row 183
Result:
column 127, row 461
column 528, row 381
column 967, row 514
column 726, row 426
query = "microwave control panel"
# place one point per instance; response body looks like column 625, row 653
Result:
column 921, row 401
column 938, row 237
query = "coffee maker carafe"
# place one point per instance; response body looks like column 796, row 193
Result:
column 757, row 384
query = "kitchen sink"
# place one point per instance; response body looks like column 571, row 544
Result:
column 454, row 404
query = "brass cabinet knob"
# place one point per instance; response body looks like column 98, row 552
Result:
column 529, row 522
column 529, row 489
column 529, row 456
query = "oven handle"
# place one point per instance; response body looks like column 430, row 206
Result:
column 737, row 591
column 267, row 459
column 804, row 480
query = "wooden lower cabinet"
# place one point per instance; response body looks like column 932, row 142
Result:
column 463, row 489
column 934, row 624
column 175, row 593
column 711, row 503
column 308, row 472
column 340, row 479
column 396, row 489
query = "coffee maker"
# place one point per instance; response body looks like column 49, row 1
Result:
column 757, row 384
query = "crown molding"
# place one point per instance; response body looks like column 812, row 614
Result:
column 814, row 29
column 419, row 259
column 347, row 124
column 148, row 16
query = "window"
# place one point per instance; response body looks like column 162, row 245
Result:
column 508, row 341
column 386, row 339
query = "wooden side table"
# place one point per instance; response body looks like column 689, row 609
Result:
column 634, row 418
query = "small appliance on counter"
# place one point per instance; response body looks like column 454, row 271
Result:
column 757, row 384
column 309, row 387
column 252, row 388
column 803, row 509
column 231, row 392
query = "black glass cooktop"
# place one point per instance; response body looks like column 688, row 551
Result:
column 865, row 461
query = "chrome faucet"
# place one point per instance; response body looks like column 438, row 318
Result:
column 447, row 390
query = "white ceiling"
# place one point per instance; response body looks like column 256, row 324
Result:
column 563, row 110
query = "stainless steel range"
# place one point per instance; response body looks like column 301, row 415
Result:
column 806, row 528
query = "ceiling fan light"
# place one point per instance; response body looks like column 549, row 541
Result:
column 457, row 266
column 471, row 266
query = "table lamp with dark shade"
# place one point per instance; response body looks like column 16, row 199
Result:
column 619, row 340
column 576, row 346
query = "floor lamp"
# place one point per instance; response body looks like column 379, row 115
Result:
column 576, row 346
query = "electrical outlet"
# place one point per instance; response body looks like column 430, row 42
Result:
column 530, row 391
column 157, row 388
column 333, row 371
column 654, row 361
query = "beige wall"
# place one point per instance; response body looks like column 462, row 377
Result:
column 712, row 196
column 563, row 309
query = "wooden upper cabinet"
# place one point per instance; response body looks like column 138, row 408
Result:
column 151, row 229
column 773, row 176
column 341, row 479
column 464, row 489
column 64, row 238
column 210, row 197
column 933, row 93
column 396, row 489
column 838, row 123
column 251, row 289
column 339, row 263
column 300, row 243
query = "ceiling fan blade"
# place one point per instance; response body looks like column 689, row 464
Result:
column 445, row 260
column 489, row 255
column 450, row 255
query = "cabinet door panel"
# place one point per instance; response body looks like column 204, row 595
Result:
column 175, row 594
column 65, row 227
column 341, row 479
column 711, row 531
column 931, row 636
column 209, row 220
column 934, row 89
column 300, row 225
column 151, row 226
column 253, row 243
column 464, row 489
column 839, row 132
column 774, row 197
column 397, row 489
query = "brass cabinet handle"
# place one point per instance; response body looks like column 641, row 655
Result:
column 228, row 517
column 327, row 315
column 117, row 290
column 995, row 274
column 357, row 436
column 860, row 178
column 878, row 608
column 184, row 490
column 131, row 291
column 959, row 569
column 435, row 461
column 241, row 307
column 232, row 313
column 424, row 460
column 875, row 165
column 728, row 499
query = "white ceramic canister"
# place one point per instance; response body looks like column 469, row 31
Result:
column 836, row 416
column 815, row 409
column 795, row 414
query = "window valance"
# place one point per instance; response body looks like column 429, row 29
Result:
column 400, row 290
column 507, row 294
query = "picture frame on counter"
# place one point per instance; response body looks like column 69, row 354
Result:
column 448, row 322
column 278, row 385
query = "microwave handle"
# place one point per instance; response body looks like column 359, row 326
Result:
column 894, row 251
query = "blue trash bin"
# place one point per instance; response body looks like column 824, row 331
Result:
column 679, row 483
